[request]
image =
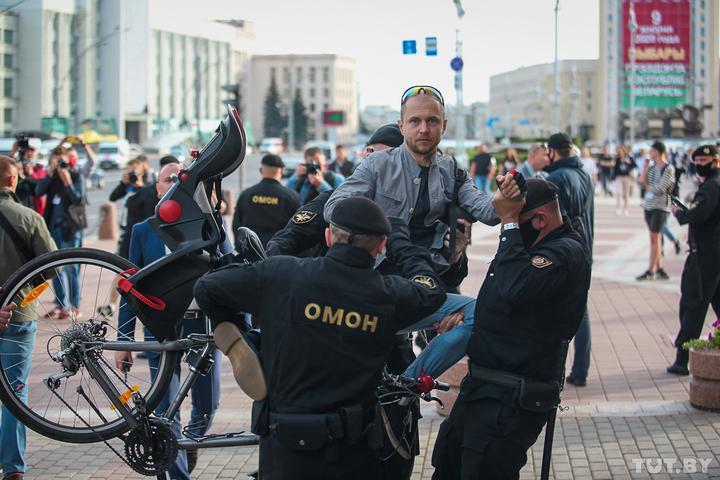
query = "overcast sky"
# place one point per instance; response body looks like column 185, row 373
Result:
column 498, row 35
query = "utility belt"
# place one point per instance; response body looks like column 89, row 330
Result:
column 324, row 431
column 530, row 394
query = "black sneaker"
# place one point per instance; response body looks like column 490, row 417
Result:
column 577, row 381
column 648, row 275
column 661, row 275
column 678, row 369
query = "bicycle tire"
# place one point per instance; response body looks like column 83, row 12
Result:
column 25, row 414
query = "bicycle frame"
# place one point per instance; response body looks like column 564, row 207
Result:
column 192, row 341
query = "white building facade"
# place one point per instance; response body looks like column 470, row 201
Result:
column 326, row 82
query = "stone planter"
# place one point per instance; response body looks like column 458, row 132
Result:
column 705, row 381
column 453, row 376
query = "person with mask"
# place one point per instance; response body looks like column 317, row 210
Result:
column 700, row 283
column 577, row 202
column 532, row 300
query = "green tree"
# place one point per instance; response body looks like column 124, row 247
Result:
column 273, row 122
column 301, row 120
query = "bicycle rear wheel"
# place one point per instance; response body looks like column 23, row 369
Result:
column 62, row 400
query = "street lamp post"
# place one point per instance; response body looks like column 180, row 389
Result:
column 632, row 27
column 459, row 107
column 554, row 121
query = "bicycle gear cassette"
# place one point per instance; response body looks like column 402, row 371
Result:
column 151, row 456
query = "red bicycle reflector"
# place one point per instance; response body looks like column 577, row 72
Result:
column 169, row 211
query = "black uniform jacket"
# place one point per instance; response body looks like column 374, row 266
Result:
column 530, row 300
column 328, row 323
column 304, row 234
column 703, row 215
column 265, row 208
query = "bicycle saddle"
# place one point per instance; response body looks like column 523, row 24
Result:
column 251, row 248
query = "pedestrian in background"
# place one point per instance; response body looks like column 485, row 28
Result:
column 510, row 161
column 23, row 236
column 64, row 188
column 342, row 164
column 537, row 160
column 700, row 284
column 658, row 177
column 623, row 172
column 267, row 206
column 577, row 201
column 482, row 168
column 590, row 166
column 311, row 177
column 606, row 164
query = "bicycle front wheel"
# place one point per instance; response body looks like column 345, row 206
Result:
column 51, row 355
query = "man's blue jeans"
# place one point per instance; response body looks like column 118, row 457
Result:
column 482, row 182
column 16, row 346
column 205, row 397
column 444, row 350
column 582, row 344
column 67, row 283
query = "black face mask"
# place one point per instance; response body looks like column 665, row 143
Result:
column 528, row 233
column 704, row 170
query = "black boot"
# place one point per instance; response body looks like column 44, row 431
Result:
column 680, row 367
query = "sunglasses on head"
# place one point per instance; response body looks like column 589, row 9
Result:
column 422, row 89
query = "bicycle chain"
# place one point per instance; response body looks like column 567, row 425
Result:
column 91, row 428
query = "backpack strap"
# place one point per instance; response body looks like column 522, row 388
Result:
column 21, row 246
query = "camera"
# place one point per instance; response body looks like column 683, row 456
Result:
column 133, row 177
column 312, row 168
column 63, row 164
column 22, row 145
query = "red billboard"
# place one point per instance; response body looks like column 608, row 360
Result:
column 662, row 52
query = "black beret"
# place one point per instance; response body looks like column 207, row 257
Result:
column 539, row 192
column 558, row 141
column 389, row 135
column 168, row 159
column 705, row 151
column 659, row 146
column 271, row 160
column 360, row 216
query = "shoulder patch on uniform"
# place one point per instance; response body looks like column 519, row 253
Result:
column 540, row 262
column 303, row 216
column 424, row 280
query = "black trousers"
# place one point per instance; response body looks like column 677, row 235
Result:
column 356, row 462
column 700, row 288
column 484, row 438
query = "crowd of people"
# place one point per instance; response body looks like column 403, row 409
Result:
column 362, row 254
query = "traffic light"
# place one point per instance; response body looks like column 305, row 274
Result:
column 234, row 90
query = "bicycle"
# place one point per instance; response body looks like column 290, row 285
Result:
column 83, row 397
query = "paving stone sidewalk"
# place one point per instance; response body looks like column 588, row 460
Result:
column 631, row 421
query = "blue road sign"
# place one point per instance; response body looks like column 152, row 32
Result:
column 456, row 64
column 492, row 120
column 409, row 47
column 431, row 46
column 524, row 121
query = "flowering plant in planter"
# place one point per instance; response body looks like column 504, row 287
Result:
column 711, row 342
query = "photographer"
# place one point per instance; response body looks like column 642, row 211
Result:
column 131, row 181
column 64, row 188
column 310, row 178
column 25, row 151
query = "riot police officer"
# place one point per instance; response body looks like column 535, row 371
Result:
column 532, row 299
column 266, row 207
column 700, row 284
column 324, row 340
